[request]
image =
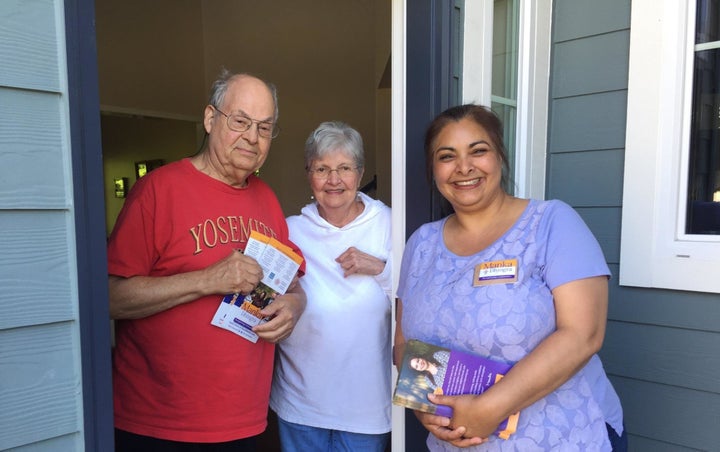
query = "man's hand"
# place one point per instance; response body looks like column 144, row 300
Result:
column 141, row 296
column 237, row 273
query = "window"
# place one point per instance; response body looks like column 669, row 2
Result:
column 504, row 71
column 703, row 185
column 672, row 152
column 506, row 66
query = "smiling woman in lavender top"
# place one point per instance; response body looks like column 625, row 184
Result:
column 521, row 281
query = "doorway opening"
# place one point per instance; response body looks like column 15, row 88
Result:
column 156, row 60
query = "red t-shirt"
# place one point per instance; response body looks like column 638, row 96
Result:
column 176, row 376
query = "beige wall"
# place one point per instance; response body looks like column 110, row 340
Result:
column 150, row 55
column 127, row 140
column 325, row 56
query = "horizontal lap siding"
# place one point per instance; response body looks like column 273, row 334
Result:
column 642, row 443
column 677, row 416
column 678, row 365
column 578, row 18
column 31, row 151
column 40, row 382
column 604, row 65
column 588, row 179
column 588, row 122
column 687, row 310
column 661, row 347
column 34, row 268
column 39, row 390
column 604, row 223
column 29, row 44
column 61, row 443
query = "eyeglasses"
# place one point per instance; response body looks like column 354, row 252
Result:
column 323, row 172
column 242, row 123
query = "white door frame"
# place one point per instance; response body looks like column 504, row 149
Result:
column 398, row 36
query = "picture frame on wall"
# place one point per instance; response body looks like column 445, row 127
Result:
column 145, row 166
column 121, row 186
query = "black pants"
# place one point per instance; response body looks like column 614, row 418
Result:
column 130, row 442
column 618, row 443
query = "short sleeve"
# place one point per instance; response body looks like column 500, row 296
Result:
column 131, row 247
column 572, row 251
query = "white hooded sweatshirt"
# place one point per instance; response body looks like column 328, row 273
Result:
column 334, row 370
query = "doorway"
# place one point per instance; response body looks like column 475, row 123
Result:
column 156, row 60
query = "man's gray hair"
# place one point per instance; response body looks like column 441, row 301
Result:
column 220, row 86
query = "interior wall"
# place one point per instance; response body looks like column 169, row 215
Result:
column 327, row 59
column 321, row 56
column 383, row 99
column 129, row 139
column 150, row 55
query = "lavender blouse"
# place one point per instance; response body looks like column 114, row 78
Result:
column 551, row 245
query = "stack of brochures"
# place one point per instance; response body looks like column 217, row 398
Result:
column 240, row 313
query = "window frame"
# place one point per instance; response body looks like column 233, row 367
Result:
column 654, row 250
column 534, row 43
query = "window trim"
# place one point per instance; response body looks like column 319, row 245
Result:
column 654, row 250
column 398, row 181
column 533, row 97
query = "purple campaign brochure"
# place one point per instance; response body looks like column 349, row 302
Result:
column 428, row 368
column 469, row 374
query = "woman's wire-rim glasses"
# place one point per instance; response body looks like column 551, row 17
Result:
column 242, row 123
column 323, row 172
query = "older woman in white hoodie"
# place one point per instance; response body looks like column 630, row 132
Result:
column 331, row 389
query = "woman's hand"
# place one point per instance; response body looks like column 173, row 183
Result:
column 440, row 427
column 472, row 413
column 353, row 261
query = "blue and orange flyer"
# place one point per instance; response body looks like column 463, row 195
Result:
column 239, row 313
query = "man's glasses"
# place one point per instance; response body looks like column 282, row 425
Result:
column 323, row 172
column 242, row 123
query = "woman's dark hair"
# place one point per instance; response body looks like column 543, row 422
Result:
column 482, row 116
column 429, row 358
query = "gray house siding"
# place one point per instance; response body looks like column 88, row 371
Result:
column 42, row 392
column 661, row 346
column 39, row 361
